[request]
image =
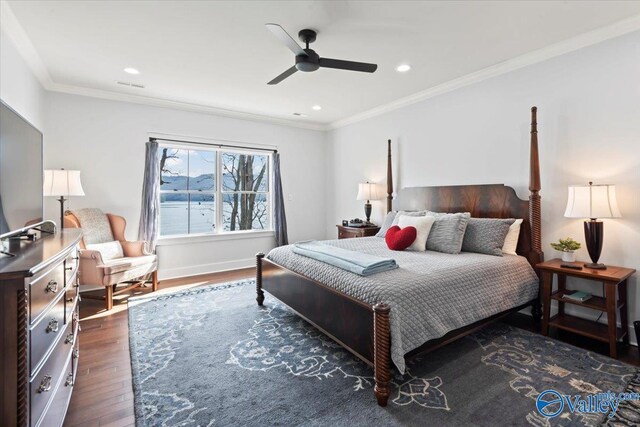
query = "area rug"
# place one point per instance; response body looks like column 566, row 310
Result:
column 211, row 356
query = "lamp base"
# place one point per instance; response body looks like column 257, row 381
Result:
column 594, row 236
column 62, row 200
column 367, row 211
column 596, row 266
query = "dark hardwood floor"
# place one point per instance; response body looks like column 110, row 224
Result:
column 103, row 394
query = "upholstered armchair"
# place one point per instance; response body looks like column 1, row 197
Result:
column 102, row 262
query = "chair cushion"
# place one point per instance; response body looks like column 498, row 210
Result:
column 108, row 251
column 95, row 226
column 118, row 265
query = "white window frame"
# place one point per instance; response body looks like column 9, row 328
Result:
column 218, row 193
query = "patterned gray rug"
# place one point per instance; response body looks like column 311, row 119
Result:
column 211, row 356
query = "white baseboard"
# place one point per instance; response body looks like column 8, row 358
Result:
column 195, row 270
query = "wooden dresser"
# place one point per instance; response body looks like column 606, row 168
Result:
column 39, row 325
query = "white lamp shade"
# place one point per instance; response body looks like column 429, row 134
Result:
column 62, row 182
column 368, row 191
column 592, row 201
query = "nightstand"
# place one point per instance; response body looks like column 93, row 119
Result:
column 351, row 232
column 614, row 278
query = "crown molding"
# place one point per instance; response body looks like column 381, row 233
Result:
column 180, row 105
column 617, row 29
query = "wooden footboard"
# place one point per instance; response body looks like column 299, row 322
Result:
column 359, row 327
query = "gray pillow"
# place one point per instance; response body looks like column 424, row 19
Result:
column 447, row 232
column 486, row 235
column 388, row 221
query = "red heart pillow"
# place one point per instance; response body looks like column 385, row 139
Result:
column 399, row 239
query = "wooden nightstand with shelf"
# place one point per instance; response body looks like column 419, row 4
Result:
column 614, row 279
column 345, row 232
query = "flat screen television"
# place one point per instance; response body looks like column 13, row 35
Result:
column 21, row 173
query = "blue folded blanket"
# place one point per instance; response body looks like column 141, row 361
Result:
column 355, row 262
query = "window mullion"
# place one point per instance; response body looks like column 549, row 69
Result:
column 188, row 193
column 219, row 202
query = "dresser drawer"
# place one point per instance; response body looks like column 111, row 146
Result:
column 54, row 415
column 42, row 386
column 44, row 289
column 349, row 234
column 46, row 331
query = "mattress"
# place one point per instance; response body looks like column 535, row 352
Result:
column 430, row 294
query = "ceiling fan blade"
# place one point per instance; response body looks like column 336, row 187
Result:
column 348, row 65
column 285, row 38
column 283, row 76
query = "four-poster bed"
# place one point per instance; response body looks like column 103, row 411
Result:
column 363, row 328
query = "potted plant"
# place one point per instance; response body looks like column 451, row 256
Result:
column 568, row 247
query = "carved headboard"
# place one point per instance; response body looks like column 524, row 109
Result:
column 483, row 201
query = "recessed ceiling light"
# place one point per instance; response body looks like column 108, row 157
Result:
column 131, row 70
column 403, row 68
column 316, row 107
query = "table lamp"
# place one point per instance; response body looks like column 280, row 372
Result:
column 593, row 202
column 368, row 192
column 62, row 183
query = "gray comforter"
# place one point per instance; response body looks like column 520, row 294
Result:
column 430, row 294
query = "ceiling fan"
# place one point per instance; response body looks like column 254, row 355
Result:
column 307, row 59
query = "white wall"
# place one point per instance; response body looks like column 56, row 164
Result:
column 589, row 129
column 106, row 141
column 19, row 88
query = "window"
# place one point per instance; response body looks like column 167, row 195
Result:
column 210, row 190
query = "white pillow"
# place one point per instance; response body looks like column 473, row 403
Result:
column 108, row 251
column 423, row 227
column 406, row 213
column 511, row 241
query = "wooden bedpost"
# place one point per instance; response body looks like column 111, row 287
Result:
column 389, row 178
column 381, row 352
column 535, row 215
column 259, row 291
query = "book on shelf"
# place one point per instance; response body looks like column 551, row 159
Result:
column 578, row 296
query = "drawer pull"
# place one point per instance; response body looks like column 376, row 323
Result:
column 70, row 299
column 76, row 352
column 52, row 286
column 69, row 339
column 69, row 381
column 45, row 384
column 52, row 326
column 69, row 268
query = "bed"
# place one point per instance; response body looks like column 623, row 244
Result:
column 433, row 298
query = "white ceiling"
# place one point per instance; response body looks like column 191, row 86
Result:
column 219, row 54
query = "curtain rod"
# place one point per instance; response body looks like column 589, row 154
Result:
column 273, row 150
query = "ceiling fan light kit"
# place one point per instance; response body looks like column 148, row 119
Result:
column 307, row 60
